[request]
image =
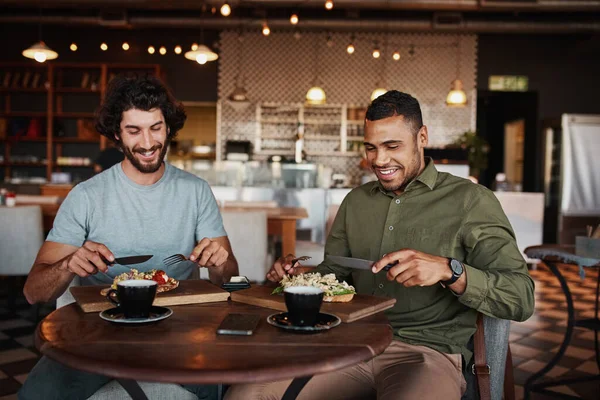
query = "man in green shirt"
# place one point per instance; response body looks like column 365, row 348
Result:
column 454, row 254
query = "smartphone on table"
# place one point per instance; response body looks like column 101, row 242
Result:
column 238, row 324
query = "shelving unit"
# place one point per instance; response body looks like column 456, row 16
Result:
column 326, row 129
column 61, row 99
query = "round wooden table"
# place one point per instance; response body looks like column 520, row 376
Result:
column 185, row 348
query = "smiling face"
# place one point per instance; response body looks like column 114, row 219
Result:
column 143, row 139
column 394, row 152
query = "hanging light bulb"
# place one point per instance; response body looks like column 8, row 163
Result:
column 162, row 50
column 73, row 47
column 104, row 46
column 194, row 46
column 350, row 49
column 201, row 55
column 294, row 19
column 266, row 31
column 316, row 95
column 377, row 92
column 225, row 10
column 329, row 4
column 376, row 53
column 151, row 49
column 40, row 52
column 177, row 49
column 396, row 56
column 125, row 46
column 457, row 96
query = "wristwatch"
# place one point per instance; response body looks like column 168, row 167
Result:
column 457, row 269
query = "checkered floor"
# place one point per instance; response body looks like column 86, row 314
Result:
column 533, row 342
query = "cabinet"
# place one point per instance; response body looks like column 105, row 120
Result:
column 327, row 130
column 46, row 116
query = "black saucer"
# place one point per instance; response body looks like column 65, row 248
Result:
column 324, row 322
column 116, row 315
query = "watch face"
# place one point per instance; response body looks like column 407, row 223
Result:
column 456, row 266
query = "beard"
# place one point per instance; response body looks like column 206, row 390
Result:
column 411, row 171
column 146, row 168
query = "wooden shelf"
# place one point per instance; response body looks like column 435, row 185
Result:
column 75, row 90
column 277, row 137
column 73, row 166
column 275, row 152
column 27, row 114
column 74, row 115
column 23, row 164
column 45, row 139
column 322, row 137
column 319, row 122
column 290, row 121
column 22, row 90
column 355, row 122
column 333, row 153
column 355, row 138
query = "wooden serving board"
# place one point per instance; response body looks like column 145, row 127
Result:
column 361, row 305
column 188, row 292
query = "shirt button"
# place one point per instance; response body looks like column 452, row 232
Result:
column 391, row 228
column 381, row 286
column 397, row 201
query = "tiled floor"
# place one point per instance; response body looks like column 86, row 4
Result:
column 533, row 342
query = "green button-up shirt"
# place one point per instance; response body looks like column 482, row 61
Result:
column 442, row 215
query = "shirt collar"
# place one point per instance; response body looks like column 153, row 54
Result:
column 428, row 177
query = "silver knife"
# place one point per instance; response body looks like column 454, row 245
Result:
column 356, row 263
column 131, row 260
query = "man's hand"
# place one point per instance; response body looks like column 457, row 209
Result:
column 209, row 253
column 414, row 268
column 283, row 266
column 87, row 260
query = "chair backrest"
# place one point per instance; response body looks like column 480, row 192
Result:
column 247, row 232
column 21, row 236
column 496, row 332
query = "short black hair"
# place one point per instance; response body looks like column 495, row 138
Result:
column 143, row 93
column 394, row 103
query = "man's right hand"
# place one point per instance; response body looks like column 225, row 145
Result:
column 283, row 266
column 87, row 260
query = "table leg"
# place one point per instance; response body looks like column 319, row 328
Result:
column 288, row 237
column 295, row 388
column 530, row 384
column 133, row 389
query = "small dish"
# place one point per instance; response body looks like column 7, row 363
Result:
column 116, row 315
column 324, row 322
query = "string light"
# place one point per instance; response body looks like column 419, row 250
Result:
column 225, row 10
column 329, row 4
column 177, row 50
column 376, row 53
column 266, row 31
column 73, row 47
column 194, row 46
column 125, row 46
column 294, row 19
column 396, row 56
column 350, row 49
column 162, row 50
column 151, row 50
column 104, row 46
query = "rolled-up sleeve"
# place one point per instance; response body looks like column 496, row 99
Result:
column 498, row 283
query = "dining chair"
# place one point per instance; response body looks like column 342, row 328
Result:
column 21, row 236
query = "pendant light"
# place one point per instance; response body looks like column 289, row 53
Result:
column 238, row 99
column 39, row 51
column 316, row 95
column 379, row 89
column 457, row 96
column 202, row 54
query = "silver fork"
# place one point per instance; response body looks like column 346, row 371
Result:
column 302, row 258
column 174, row 259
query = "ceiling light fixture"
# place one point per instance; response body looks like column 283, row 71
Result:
column 238, row 99
column 316, row 95
column 225, row 10
column 380, row 84
column 329, row 4
column 457, row 96
column 151, row 49
column 103, row 46
column 396, row 56
column 294, row 19
column 376, row 51
column 201, row 54
column 39, row 51
column 194, row 46
column 73, row 47
column 162, row 50
column 266, row 31
column 125, row 46
column 350, row 49
column 177, row 49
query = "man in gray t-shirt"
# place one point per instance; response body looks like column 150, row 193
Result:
column 140, row 206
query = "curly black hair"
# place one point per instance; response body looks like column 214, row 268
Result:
column 140, row 92
column 394, row 103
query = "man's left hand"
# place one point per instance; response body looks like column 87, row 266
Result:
column 209, row 253
column 414, row 268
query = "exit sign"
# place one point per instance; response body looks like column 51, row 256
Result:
column 508, row 83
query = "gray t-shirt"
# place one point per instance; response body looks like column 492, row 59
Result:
column 162, row 219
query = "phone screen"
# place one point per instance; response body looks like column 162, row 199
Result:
column 238, row 324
